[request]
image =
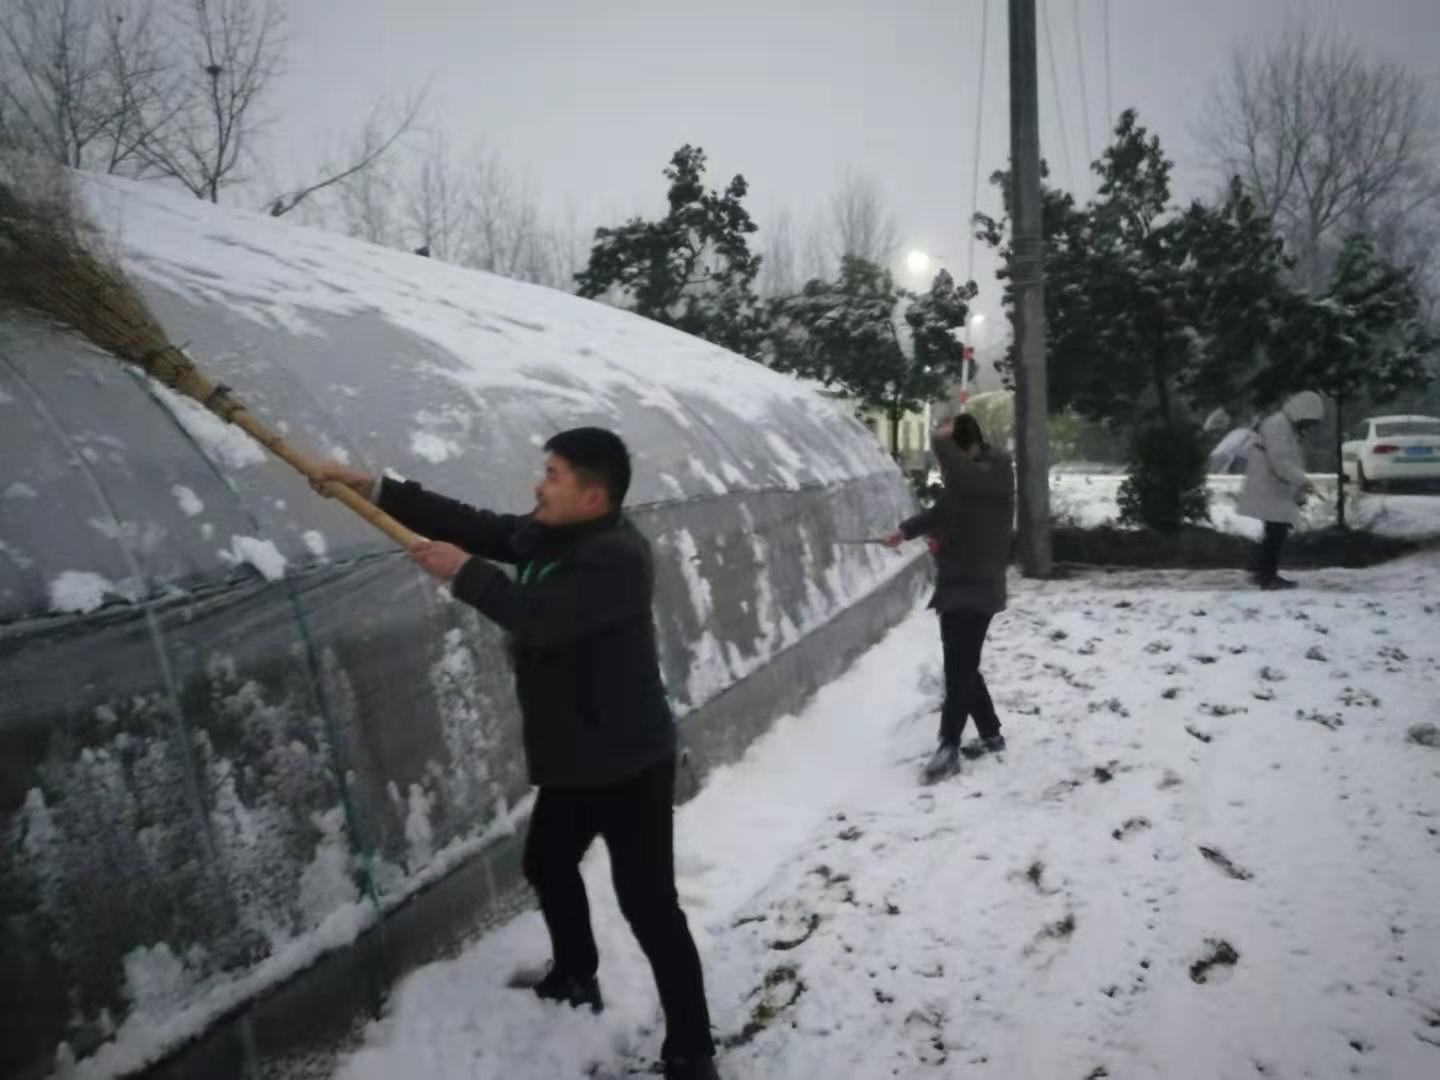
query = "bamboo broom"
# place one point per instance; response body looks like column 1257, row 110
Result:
column 48, row 269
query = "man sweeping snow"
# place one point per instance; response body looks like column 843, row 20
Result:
column 599, row 737
column 969, row 530
column 1276, row 486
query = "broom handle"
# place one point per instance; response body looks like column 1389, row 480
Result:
column 245, row 420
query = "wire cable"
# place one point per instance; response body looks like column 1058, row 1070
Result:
column 1084, row 91
column 1055, row 86
column 979, row 122
column 1109, row 105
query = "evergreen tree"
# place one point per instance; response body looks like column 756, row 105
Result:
column 693, row 268
column 1153, row 314
column 845, row 333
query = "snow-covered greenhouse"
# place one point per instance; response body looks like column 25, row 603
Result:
column 253, row 764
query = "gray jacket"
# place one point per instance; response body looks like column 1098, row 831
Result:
column 969, row 529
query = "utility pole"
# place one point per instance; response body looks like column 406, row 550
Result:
column 1032, row 438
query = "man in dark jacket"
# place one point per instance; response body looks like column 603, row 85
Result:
column 969, row 529
column 598, row 733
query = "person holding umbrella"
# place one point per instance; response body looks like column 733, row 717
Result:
column 1276, row 486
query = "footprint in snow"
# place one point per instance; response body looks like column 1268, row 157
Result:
column 927, row 1028
column 1358, row 698
column 1221, row 862
column 1035, row 875
column 1210, row 709
column 1215, row 962
column 1060, row 931
column 1131, row 825
column 781, row 988
column 1332, row 721
column 1113, row 705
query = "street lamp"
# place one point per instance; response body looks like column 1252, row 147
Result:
column 917, row 262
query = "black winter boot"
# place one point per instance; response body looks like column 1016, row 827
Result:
column 570, row 990
column 696, row 1068
column 944, row 762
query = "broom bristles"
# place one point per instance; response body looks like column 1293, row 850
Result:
column 51, row 267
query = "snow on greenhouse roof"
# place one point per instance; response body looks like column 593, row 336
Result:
column 363, row 354
column 504, row 333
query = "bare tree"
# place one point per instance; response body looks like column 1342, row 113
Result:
column 569, row 248
column 434, row 204
column 139, row 72
column 81, row 82
column 379, row 137
column 861, row 221
column 779, row 267
column 816, row 260
column 368, row 204
column 235, row 51
column 1327, row 140
column 505, row 236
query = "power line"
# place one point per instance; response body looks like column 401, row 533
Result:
column 1084, row 93
column 1055, row 86
column 979, row 121
column 1109, row 106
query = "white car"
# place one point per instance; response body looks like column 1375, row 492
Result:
column 1383, row 449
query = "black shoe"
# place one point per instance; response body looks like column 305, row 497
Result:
column 993, row 744
column 943, row 762
column 695, row 1068
column 570, row 990
column 1276, row 583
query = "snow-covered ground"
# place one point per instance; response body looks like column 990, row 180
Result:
column 1212, row 850
column 1090, row 499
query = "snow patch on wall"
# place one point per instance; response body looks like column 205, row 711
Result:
column 315, row 543
column 702, row 472
column 419, row 833
column 432, row 448
column 79, row 591
column 224, row 442
column 189, row 502
column 786, row 453
column 326, row 884
column 689, row 556
column 156, row 980
column 16, row 556
column 466, row 713
column 263, row 555
column 732, row 475
column 39, row 833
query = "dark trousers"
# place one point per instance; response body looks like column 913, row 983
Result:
column 1271, row 545
column 636, row 819
column 962, row 637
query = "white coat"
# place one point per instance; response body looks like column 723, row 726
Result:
column 1275, row 469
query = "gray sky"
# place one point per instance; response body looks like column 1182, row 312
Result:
column 591, row 97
